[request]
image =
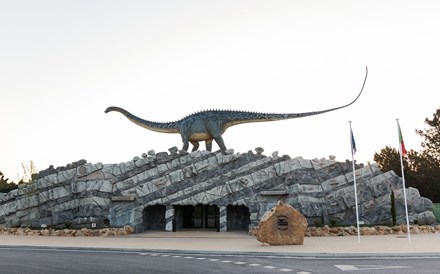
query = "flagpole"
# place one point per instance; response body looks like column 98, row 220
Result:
column 403, row 181
column 353, row 147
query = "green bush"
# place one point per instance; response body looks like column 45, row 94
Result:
column 6, row 186
column 393, row 207
column 437, row 212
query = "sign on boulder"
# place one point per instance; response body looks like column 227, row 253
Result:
column 282, row 225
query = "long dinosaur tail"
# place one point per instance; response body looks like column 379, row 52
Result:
column 154, row 126
column 297, row 115
column 251, row 117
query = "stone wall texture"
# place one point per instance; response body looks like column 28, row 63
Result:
column 81, row 194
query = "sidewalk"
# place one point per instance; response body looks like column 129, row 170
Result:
column 239, row 243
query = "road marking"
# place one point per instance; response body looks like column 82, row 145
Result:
column 303, row 272
column 368, row 267
column 342, row 267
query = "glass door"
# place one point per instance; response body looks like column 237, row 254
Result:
column 211, row 216
column 197, row 216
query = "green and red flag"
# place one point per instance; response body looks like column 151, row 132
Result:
column 402, row 144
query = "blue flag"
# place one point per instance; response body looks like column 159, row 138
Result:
column 353, row 143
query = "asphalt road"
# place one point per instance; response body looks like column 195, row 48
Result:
column 41, row 260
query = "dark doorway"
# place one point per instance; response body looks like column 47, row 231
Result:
column 154, row 217
column 238, row 218
column 199, row 216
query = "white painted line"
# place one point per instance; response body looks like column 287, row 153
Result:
column 303, row 272
column 165, row 255
column 143, row 254
column 154, row 254
column 346, row 267
column 367, row 267
column 226, row 262
column 201, row 258
column 254, row 264
column 287, row 270
column 240, row 263
column 177, row 256
column 269, row 267
column 214, row 260
column 189, row 257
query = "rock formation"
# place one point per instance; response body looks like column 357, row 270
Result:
column 82, row 194
column 282, row 225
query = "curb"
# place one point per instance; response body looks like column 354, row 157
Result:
column 231, row 253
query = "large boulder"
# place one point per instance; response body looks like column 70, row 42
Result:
column 282, row 225
column 426, row 218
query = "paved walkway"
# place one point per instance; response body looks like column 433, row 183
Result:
column 240, row 242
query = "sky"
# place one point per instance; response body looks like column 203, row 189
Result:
column 62, row 63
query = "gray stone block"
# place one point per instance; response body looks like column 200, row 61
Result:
column 426, row 218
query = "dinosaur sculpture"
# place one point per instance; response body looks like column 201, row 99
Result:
column 209, row 125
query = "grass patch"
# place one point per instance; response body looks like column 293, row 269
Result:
column 437, row 212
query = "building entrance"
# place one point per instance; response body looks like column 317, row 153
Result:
column 238, row 218
column 154, row 217
column 199, row 216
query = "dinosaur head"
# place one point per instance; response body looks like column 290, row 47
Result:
column 109, row 109
column 118, row 109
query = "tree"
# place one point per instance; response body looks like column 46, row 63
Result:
column 422, row 169
column 388, row 159
column 426, row 173
column 426, row 164
column 6, row 186
column 431, row 144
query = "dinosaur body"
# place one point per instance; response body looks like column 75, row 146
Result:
column 211, row 124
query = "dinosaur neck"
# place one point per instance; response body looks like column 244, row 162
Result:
column 154, row 126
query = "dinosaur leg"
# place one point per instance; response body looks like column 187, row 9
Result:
column 195, row 145
column 220, row 143
column 208, row 144
column 185, row 145
column 215, row 129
